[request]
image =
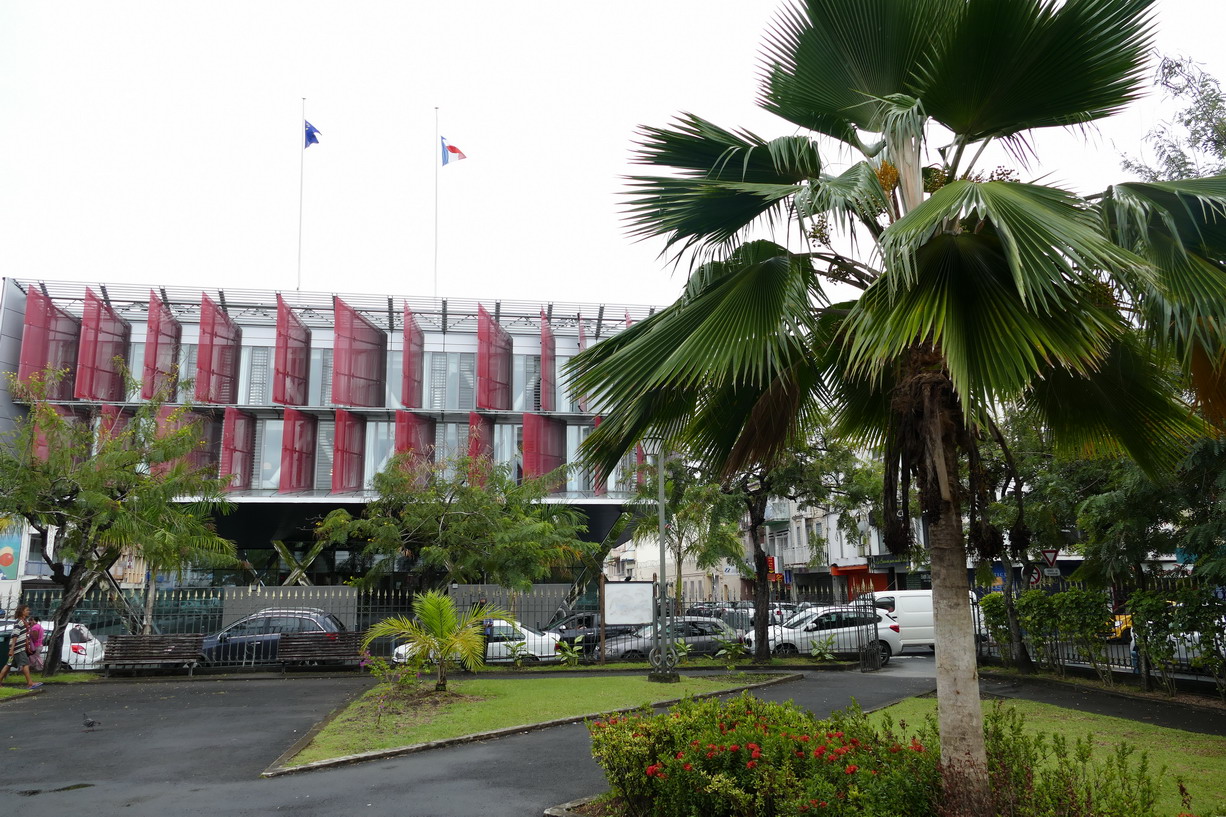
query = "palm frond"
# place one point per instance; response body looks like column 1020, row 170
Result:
column 1008, row 66
column 724, row 181
column 827, row 64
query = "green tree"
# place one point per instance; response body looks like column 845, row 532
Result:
column 438, row 633
column 1193, row 143
column 97, row 489
column 462, row 520
column 702, row 522
column 978, row 289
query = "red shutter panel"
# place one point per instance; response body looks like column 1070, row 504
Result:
column 415, row 433
column 292, row 357
column 49, row 339
column 544, row 445
column 217, row 355
column 208, row 432
column 348, row 452
column 414, row 361
column 113, row 421
column 582, row 345
column 599, row 478
column 493, row 363
column 42, row 443
column 103, row 354
column 549, row 375
column 238, row 449
column 480, row 436
column 298, row 452
column 163, row 337
column 359, row 360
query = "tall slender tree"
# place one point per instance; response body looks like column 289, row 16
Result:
column 976, row 289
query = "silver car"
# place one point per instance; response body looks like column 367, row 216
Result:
column 702, row 635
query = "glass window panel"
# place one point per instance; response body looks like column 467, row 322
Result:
column 269, row 474
column 380, row 446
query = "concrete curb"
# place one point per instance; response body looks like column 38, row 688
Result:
column 278, row 767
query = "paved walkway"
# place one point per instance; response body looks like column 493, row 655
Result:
column 197, row 747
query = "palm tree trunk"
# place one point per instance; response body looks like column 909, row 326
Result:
column 960, row 714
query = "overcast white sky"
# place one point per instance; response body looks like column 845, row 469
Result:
column 159, row 142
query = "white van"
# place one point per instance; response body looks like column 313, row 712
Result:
column 913, row 610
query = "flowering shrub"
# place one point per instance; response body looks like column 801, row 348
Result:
column 752, row 758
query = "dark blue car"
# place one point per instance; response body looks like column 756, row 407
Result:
column 254, row 638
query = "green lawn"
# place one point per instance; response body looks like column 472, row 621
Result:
column 1199, row 760
column 15, row 684
column 375, row 722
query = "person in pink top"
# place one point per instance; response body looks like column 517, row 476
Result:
column 36, row 642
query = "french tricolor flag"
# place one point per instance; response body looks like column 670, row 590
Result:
column 451, row 153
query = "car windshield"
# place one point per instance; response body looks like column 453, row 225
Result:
column 801, row 618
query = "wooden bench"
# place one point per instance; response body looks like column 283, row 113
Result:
column 319, row 648
column 135, row 651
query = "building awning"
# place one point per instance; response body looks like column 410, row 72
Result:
column 836, row 570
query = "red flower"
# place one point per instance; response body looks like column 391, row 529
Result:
column 736, row 747
column 804, row 738
column 851, row 769
column 756, row 754
column 689, row 767
column 752, row 746
column 680, row 755
column 751, row 764
column 710, row 755
column 694, row 743
column 819, row 751
column 800, row 753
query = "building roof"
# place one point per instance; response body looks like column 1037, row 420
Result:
column 259, row 306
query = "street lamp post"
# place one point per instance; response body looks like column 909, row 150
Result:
column 663, row 656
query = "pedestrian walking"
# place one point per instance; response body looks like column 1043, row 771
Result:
column 19, row 648
column 35, row 648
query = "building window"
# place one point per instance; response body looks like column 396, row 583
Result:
column 577, row 479
column 325, row 441
column 526, row 383
column 320, row 387
column 451, row 384
column 380, row 445
column 268, row 454
column 255, row 376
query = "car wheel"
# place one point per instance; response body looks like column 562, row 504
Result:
column 787, row 649
column 886, row 652
column 632, row 655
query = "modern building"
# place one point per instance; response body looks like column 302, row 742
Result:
column 301, row 398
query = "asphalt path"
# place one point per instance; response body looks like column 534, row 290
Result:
column 198, row 747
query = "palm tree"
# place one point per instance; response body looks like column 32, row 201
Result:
column 438, row 633
column 977, row 289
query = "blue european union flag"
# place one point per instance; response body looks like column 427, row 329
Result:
column 312, row 135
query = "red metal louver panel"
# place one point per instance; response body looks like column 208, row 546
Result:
column 640, row 460
column 49, row 339
column 493, row 363
column 544, row 445
column 207, row 452
column 549, row 365
column 42, row 445
column 414, row 361
column 113, row 421
column 238, row 449
column 292, row 357
column 217, row 355
column 348, row 452
column 480, row 436
column 163, row 336
column 298, row 452
column 359, row 359
column 415, row 433
column 103, row 354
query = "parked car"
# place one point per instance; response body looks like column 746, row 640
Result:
column 254, row 639
column 501, row 647
column 80, row 651
column 838, row 630
column 586, row 626
column 702, row 634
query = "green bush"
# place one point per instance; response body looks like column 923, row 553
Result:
column 1036, row 613
column 1084, row 618
column 996, row 619
column 750, row 758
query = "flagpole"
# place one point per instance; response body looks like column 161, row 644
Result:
column 301, row 174
column 437, row 162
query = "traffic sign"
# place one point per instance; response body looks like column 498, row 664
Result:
column 1051, row 571
column 1050, row 555
column 1035, row 577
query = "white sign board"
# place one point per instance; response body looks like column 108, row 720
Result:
column 1049, row 556
column 628, row 602
column 1051, row 571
